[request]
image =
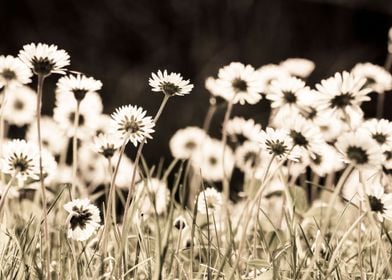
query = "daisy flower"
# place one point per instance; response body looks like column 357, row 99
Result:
column 53, row 137
column 299, row 67
column 271, row 72
column 130, row 122
column 330, row 128
column 209, row 159
column 125, row 172
column 324, row 160
column 106, row 144
column 20, row 159
column 248, row 156
column 342, row 94
column 83, row 219
column 360, row 150
column 186, row 141
column 377, row 78
column 239, row 83
column 20, row 107
column 380, row 202
column 239, row 129
column 43, row 59
column 102, row 125
column 277, row 143
column 150, row 195
column 170, row 84
column 78, row 85
column 13, row 71
column 93, row 168
column 381, row 131
column 209, row 199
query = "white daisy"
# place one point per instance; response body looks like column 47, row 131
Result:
column 209, row 200
column 89, row 112
column 83, row 220
column 52, row 136
column 342, row 95
column 299, row 67
column 208, row 160
column 78, row 85
column 152, row 193
column 107, row 144
column 20, row 106
column 186, row 141
column 43, row 59
column 277, row 143
column 377, row 78
column 239, row 83
column 248, row 156
column 324, row 160
column 21, row 159
column 125, row 172
column 380, row 202
column 360, row 150
column 13, row 71
column 94, row 168
column 271, row 72
column 130, row 122
column 170, row 84
column 239, row 129
column 381, row 131
column 330, row 127
column 102, row 125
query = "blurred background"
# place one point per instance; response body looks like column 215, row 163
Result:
column 122, row 42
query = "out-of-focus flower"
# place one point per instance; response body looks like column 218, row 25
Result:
column 209, row 200
column 20, row 105
column 239, row 129
column 13, row 71
column 106, row 144
column 299, row 67
column 152, row 195
column 377, row 78
column 186, row 141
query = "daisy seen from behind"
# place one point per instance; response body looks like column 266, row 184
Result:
column 170, row 84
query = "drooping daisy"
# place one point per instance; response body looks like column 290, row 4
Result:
column 342, row 94
column 271, row 72
column 13, row 71
column 130, row 122
column 83, row 220
column 209, row 160
column 106, row 144
column 299, row 67
column 78, row 85
column 239, row 83
column 381, row 131
column 360, row 150
column 20, row 106
column 248, row 156
column 90, row 110
column 380, row 202
column 150, row 195
column 43, row 59
column 53, row 137
column 186, row 141
column 209, row 200
column 277, row 143
column 377, row 78
column 324, row 160
column 20, row 159
column 239, row 129
column 170, row 84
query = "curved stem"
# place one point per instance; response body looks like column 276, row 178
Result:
column 40, row 85
column 75, row 149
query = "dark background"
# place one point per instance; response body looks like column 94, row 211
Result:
column 122, row 42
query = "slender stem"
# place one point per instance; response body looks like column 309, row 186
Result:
column 40, row 85
column 226, row 186
column 75, row 149
column 4, row 196
column 210, row 114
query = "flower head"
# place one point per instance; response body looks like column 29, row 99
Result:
column 209, row 200
column 170, row 84
column 13, row 71
column 186, row 141
column 107, row 144
column 78, row 85
column 152, row 194
column 240, row 129
column 377, row 78
column 380, row 202
column 299, row 67
column 130, row 122
column 277, row 142
column 379, row 130
column 43, row 59
column 83, row 219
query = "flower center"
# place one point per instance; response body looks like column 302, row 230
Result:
column 289, row 97
column 8, row 74
column 20, row 163
column 108, row 151
column 379, row 137
column 42, row 66
column 79, row 93
column 375, row 204
column 357, row 154
column 213, row 160
column 239, row 85
column 277, row 148
column 190, row 145
column 341, row 101
column 131, row 126
column 18, row 105
column 317, row 159
column 299, row 139
column 169, row 88
column 80, row 218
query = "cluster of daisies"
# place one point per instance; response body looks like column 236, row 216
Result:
column 315, row 134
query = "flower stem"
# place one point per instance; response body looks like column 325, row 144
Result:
column 210, row 114
column 226, row 186
column 40, row 85
column 75, row 149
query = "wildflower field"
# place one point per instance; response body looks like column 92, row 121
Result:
column 308, row 196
